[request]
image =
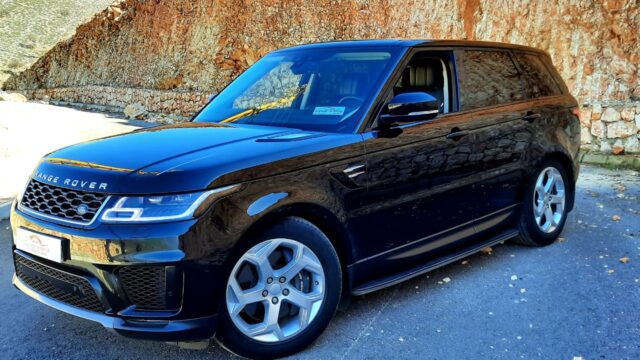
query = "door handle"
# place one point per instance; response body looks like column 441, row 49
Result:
column 530, row 116
column 456, row 134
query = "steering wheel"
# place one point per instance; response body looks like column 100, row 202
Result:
column 346, row 98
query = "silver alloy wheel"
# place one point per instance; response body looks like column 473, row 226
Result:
column 275, row 290
column 549, row 200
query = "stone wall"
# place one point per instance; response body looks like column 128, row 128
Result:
column 611, row 127
column 115, row 99
column 183, row 50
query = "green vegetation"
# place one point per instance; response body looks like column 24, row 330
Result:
column 29, row 28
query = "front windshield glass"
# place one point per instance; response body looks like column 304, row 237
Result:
column 319, row 89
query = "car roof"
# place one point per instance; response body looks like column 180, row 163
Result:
column 409, row 43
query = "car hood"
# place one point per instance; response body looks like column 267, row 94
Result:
column 188, row 157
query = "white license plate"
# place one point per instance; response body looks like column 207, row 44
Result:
column 44, row 246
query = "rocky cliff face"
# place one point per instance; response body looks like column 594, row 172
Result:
column 28, row 29
column 182, row 50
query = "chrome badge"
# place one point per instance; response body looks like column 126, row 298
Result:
column 82, row 209
column 76, row 183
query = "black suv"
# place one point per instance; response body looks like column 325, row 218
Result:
column 323, row 171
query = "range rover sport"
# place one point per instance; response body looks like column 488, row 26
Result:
column 323, row 171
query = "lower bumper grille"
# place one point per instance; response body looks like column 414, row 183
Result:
column 147, row 287
column 60, row 285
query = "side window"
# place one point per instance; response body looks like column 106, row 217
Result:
column 428, row 72
column 488, row 78
column 539, row 80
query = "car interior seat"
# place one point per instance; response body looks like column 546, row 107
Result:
column 424, row 75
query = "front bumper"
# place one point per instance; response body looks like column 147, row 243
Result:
column 186, row 308
column 165, row 330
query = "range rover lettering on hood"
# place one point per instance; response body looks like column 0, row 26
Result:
column 77, row 183
column 183, row 158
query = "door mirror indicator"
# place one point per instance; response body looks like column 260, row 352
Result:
column 409, row 107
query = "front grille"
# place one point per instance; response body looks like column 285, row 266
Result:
column 61, row 203
column 146, row 286
column 57, row 284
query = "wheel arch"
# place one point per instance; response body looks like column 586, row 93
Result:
column 323, row 219
column 568, row 165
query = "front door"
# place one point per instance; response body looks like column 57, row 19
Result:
column 420, row 182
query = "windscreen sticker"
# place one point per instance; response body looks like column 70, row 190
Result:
column 329, row 110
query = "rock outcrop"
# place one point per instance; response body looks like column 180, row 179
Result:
column 135, row 111
column 184, row 50
column 15, row 97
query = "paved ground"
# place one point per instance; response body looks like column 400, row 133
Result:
column 574, row 298
column 30, row 130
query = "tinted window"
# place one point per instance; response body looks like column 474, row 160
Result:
column 539, row 80
column 488, row 78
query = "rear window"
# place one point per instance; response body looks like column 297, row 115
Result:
column 488, row 78
column 540, row 82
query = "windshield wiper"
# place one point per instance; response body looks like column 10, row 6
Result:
column 258, row 109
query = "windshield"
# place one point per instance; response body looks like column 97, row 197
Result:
column 309, row 89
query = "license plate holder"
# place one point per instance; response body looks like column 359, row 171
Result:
column 44, row 246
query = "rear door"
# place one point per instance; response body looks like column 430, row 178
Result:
column 492, row 96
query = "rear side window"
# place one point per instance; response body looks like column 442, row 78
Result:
column 539, row 80
column 488, row 78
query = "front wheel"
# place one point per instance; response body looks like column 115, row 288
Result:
column 282, row 290
column 545, row 205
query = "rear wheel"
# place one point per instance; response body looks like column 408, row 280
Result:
column 545, row 206
column 282, row 290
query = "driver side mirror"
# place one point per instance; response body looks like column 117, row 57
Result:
column 409, row 107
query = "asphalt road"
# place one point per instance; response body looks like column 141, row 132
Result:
column 574, row 298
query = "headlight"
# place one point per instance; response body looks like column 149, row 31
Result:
column 162, row 207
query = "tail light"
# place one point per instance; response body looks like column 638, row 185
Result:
column 576, row 111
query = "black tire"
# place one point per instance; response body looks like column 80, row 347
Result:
column 232, row 339
column 530, row 233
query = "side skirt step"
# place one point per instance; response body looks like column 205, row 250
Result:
column 432, row 265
